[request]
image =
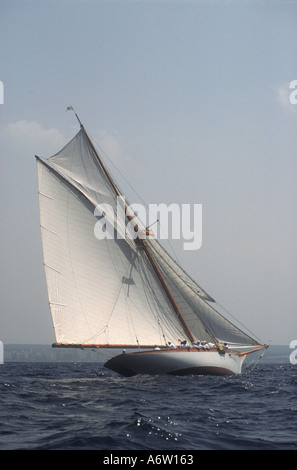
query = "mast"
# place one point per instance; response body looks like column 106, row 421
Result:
column 141, row 241
column 78, row 120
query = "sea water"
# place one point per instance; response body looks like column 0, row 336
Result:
column 85, row 406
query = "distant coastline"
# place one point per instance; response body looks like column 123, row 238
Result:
column 45, row 353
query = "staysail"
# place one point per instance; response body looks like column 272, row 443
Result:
column 113, row 291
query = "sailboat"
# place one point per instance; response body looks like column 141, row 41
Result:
column 123, row 292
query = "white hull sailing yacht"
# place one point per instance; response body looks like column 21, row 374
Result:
column 123, row 291
column 177, row 362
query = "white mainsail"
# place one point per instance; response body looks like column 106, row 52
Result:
column 112, row 292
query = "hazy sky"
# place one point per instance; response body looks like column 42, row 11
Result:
column 190, row 100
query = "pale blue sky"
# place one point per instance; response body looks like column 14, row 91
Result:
column 190, row 99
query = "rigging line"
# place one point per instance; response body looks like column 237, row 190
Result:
column 255, row 362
